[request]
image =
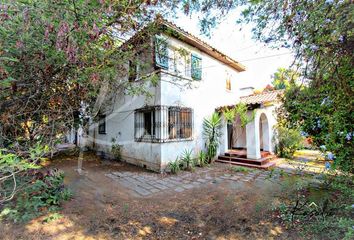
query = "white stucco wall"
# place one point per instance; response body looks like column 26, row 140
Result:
column 253, row 135
column 202, row 96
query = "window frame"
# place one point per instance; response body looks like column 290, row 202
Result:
column 228, row 84
column 161, row 59
column 133, row 69
column 102, row 124
column 162, row 123
column 196, row 72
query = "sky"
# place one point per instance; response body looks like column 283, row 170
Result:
column 238, row 44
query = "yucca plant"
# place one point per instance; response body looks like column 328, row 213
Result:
column 187, row 159
column 174, row 166
column 212, row 133
column 202, row 159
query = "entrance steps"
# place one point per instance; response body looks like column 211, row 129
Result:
column 237, row 158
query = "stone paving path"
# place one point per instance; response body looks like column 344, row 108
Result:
column 146, row 184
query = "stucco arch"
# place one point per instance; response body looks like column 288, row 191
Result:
column 255, row 137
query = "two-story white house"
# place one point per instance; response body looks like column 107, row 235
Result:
column 192, row 80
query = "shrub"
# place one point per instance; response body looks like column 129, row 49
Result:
column 187, row 159
column 321, row 208
column 202, row 159
column 46, row 193
column 212, row 133
column 116, row 150
column 288, row 141
column 174, row 166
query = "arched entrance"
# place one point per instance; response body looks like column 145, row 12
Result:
column 264, row 136
column 239, row 135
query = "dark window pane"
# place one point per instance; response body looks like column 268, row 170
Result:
column 102, row 124
column 161, row 52
column 196, row 67
column 132, row 71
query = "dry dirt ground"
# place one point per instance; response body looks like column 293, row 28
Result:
column 102, row 209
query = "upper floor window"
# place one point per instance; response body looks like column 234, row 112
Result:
column 196, row 67
column 102, row 124
column 161, row 52
column 228, row 83
column 133, row 70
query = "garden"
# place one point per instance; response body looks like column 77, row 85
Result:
column 57, row 60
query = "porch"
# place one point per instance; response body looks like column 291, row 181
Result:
column 252, row 145
column 239, row 157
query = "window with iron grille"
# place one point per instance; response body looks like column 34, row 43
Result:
column 163, row 124
column 179, row 123
column 102, row 124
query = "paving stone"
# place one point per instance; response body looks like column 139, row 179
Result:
column 179, row 189
column 161, row 181
column 235, row 178
column 142, row 191
column 245, row 179
column 227, row 175
column 154, row 190
column 146, row 186
column 172, row 182
column 110, row 176
column 160, row 186
column 224, row 177
column 202, row 180
column 188, row 186
column 126, row 183
column 167, row 184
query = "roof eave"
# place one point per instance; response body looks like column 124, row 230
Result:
column 204, row 47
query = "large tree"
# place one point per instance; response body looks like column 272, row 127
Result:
column 321, row 35
column 54, row 58
column 283, row 78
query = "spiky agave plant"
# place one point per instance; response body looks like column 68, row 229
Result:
column 212, row 133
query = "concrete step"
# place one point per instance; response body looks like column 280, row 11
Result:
column 265, row 166
column 261, row 161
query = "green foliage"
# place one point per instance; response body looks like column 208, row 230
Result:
column 212, row 133
column 202, row 159
column 241, row 169
column 10, row 162
column 175, row 166
column 288, row 141
column 56, row 55
column 52, row 217
column 321, row 35
column 229, row 114
column 46, row 193
column 323, row 105
column 283, row 78
column 240, row 110
column 116, row 150
column 321, row 207
column 187, row 159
